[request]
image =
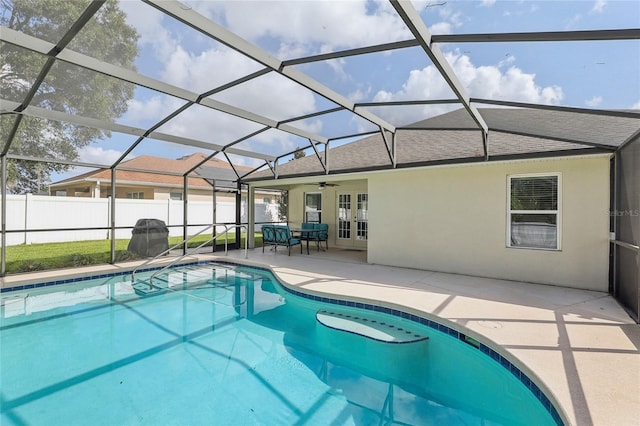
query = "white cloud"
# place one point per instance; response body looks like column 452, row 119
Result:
column 636, row 105
column 594, row 101
column 271, row 95
column 573, row 21
column 508, row 60
column 206, row 70
column 598, row 6
column 488, row 82
column 488, row 3
column 450, row 15
column 359, row 94
column 337, row 65
column 153, row 109
column 149, row 24
column 338, row 24
column 441, row 28
column 98, row 155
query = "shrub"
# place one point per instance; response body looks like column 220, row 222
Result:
column 32, row 266
column 79, row 260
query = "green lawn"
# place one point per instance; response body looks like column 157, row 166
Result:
column 38, row 257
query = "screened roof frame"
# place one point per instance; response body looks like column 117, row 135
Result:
column 422, row 38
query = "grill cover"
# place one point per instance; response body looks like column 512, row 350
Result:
column 150, row 237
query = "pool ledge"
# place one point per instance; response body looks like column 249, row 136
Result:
column 579, row 345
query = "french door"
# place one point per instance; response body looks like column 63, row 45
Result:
column 352, row 215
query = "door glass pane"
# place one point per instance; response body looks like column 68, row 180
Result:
column 362, row 231
column 344, row 216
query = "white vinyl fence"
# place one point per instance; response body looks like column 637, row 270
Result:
column 44, row 212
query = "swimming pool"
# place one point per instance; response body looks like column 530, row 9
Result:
column 228, row 345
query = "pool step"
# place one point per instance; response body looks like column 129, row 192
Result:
column 368, row 327
column 143, row 288
column 189, row 274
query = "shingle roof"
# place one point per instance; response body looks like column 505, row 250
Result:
column 512, row 133
column 587, row 128
column 158, row 164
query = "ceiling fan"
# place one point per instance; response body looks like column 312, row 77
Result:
column 323, row 185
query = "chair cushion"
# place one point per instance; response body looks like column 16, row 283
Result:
column 323, row 235
column 306, row 235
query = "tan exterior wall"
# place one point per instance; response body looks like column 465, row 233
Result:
column 329, row 211
column 194, row 194
column 454, row 219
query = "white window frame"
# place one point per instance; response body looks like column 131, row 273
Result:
column 557, row 212
column 135, row 195
column 316, row 211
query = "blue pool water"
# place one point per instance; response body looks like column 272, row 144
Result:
column 229, row 346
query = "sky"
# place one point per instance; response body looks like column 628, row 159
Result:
column 602, row 74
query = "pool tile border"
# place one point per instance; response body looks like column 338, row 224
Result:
column 98, row 276
column 513, row 369
column 488, row 351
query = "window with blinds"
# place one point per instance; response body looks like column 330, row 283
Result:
column 534, row 211
column 313, row 207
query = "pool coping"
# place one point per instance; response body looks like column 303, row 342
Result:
column 506, row 360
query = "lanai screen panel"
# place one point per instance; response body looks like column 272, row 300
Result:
column 270, row 62
column 627, row 220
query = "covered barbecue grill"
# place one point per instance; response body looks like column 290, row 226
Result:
column 150, row 237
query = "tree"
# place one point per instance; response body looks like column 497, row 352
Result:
column 67, row 88
column 283, row 206
column 299, row 153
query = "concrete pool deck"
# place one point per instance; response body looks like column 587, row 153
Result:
column 582, row 345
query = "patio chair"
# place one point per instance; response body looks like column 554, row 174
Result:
column 322, row 235
column 284, row 237
column 306, row 235
column 268, row 237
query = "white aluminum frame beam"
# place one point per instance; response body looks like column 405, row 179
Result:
column 603, row 112
column 58, row 161
column 201, row 23
column 37, row 112
column 587, row 35
column 419, row 30
column 322, row 162
column 28, row 42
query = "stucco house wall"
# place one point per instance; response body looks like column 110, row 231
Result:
column 454, row 219
column 329, row 206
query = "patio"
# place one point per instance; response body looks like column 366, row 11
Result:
column 566, row 337
column 386, row 113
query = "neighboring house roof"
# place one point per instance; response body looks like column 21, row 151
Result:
column 454, row 137
column 213, row 168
